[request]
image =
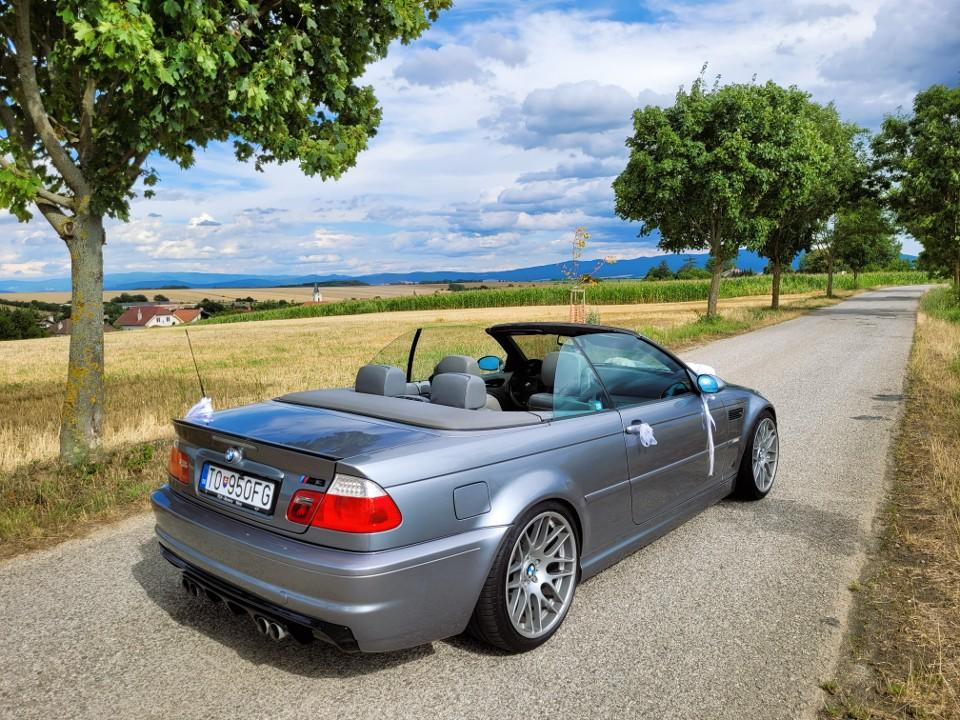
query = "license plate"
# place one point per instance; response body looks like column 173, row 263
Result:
column 237, row 488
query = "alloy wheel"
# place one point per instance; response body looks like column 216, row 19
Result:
column 541, row 575
column 766, row 451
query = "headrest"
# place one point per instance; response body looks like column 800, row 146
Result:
column 548, row 369
column 457, row 364
column 460, row 390
column 567, row 372
column 381, row 380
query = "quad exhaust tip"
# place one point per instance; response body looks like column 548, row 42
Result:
column 192, row 588
column 265, row 626
column 274, row 630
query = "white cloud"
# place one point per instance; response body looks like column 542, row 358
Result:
column 446, row 65
column 204, row 220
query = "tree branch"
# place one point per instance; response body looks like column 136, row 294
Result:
column 61, row 222
column 48, row 195
column 33, row 103
column 86, row 119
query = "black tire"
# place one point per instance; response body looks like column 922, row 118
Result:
column 490, row 622
column 746, row 486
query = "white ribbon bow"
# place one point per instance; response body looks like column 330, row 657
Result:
column 711, row 424
column 201, row 411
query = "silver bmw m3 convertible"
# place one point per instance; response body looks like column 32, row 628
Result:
column 466, row 482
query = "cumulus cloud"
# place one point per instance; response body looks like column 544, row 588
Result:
column 323, row 238
column 447, row 65
column 584, row 116
column 499, row 47
column 203, row 220
column 585, row 106
column 583, row 169
column 915, row 44
column 29, row 269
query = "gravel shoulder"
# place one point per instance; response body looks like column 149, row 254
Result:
column 739, row 613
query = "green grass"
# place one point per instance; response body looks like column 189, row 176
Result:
column 943, row 303
column 611, row 292
column 46, row 501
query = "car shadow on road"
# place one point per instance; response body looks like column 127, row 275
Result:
column 161, row 582
column 830, row 532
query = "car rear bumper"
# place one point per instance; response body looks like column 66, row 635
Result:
column 384, row 600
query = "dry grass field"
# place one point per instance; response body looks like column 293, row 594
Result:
column 290, row 294
column 150, row 379
column 150, row 376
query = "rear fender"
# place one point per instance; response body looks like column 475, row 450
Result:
column 511, row 500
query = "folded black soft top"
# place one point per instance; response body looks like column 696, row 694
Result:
column 411, row 412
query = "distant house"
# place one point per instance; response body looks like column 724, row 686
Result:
column 135, row 318
column 61, row 327
column 150, row 316
column 188, row 315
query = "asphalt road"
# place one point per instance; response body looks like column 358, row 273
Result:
column 737, row 614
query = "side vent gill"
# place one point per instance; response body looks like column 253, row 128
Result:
column 735, row 414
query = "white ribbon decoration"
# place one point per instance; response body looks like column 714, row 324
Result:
column 201, row 411
column 711, row 424
column 645, row 434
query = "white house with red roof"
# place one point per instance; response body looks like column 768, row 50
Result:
column 151, row 316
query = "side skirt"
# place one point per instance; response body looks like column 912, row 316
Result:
column 655, row 528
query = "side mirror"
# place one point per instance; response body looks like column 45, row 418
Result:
column 490, row 363
column 709, row 384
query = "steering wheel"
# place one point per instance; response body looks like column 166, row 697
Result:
column 677, row 388
column 521, row 386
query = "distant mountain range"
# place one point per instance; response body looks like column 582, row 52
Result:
column 632, row 268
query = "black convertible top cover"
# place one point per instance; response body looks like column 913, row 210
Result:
column 410, row 412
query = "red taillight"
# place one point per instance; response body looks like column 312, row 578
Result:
column 179, row 465
column 351, row 504
column 303, row 505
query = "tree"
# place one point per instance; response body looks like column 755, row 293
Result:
column 864, row 236
column 160, row 298
column 813, row 159
column 19, row 324
column 814, row 262
column 690, row 271
column 93, row 89
column 726, row 266
column 129, row 298
column 659, row 272
column 693, row 174
column 919, row 156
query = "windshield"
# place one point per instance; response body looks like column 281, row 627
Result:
column 536, row 347
column 435, row 343
column 634, row 371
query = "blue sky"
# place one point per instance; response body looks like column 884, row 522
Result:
column 503, row 129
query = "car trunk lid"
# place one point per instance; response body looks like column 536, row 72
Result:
column 286, row 446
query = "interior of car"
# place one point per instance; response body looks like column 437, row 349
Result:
column 556, row 368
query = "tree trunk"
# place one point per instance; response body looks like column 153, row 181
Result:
column 830, row 275
column 83, row 404
column 775, row 295
column 714, row 297
column 956, row 276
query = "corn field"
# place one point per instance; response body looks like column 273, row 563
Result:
column 611, row 292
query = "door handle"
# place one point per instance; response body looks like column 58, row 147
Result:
column 633, row 428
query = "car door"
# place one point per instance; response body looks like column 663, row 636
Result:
column 648, row 386
column 675, row 469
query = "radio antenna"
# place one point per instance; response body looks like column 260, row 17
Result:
column 203, row 393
